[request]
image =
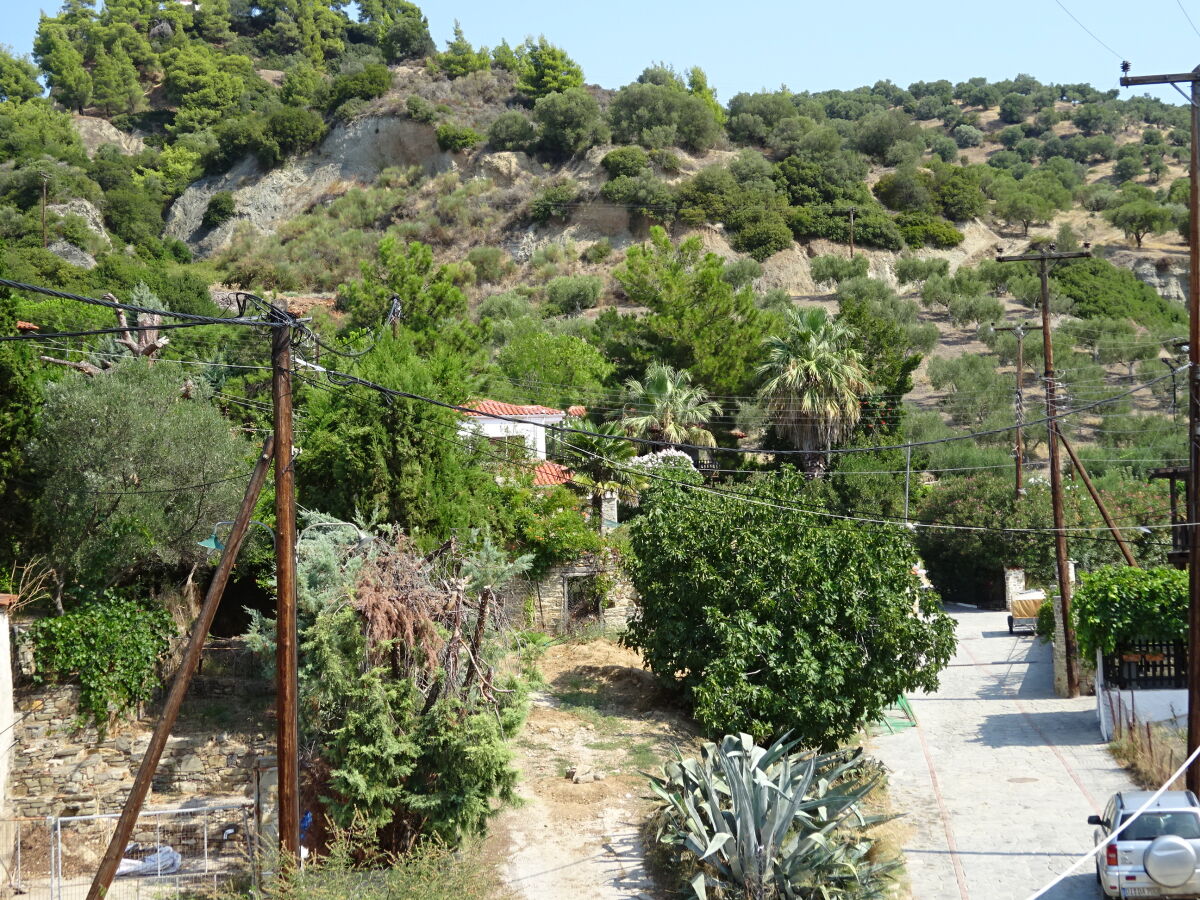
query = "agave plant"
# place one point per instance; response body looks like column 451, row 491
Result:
column 773, row 823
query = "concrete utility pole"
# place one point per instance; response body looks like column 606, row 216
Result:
column 1043, row 260
column 1019, row 400
column 286, row 684
column 183, row 676
column 1193, row 495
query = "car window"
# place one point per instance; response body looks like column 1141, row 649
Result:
column 1152, row 824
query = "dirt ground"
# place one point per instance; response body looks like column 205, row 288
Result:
column 602, row 712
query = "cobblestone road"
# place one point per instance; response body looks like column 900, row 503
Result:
column 999, row 778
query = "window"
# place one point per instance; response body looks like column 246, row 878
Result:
column 1150, row 825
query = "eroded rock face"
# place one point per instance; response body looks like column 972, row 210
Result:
column 70, row 253
column 352, row 155
column 86, row 211
column 1166, row 274
column 96, row 132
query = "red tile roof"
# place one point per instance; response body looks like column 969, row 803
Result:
column 26, row 326
column 548, row 474
column 577, row 411
column 496, row 408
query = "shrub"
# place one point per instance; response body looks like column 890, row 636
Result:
column 629, row 161
column 220, row 209
column 763, row 238
column 659, row 115
column 547, row 69
column 420, row 109
column 408, row 38
column 836, row 269
column 372, row 81
column 1117, row 605
column 491, row 263
column 731, row 587
column 872, row 228
column 919, row 229
column 457, row 138
column 645, row 195
column 572, row 294
column 667, row 161
column 112, row 645
column 598, row 252
column 512, row 130
column 570, row 122
column 967, row 136
column 910, row 269
column 288, row 131
column 553, row 202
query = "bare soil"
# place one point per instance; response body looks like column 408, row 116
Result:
column 599, row 709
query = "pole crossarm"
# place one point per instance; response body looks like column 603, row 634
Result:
column 1178, row 78
column 1037, row 257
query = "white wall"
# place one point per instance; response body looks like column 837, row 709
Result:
column 534, row 435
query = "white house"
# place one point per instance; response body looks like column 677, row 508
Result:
column 494, row 420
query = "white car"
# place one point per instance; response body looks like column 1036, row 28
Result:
column 1158, row 854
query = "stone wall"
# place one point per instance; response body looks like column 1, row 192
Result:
column 58, row 769
column 562, row 600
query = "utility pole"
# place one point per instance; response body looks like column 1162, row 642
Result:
column 45, row 181
column 183, row 676
column 1193, row 383
column 1019, row 400
column 286, row 685
column 852, row 211
column 1071, row 648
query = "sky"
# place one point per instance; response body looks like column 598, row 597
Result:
column 755, row 44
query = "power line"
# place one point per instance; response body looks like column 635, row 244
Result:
column 1179, row 3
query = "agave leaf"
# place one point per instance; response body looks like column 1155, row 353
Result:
column 698, row 886
column 718, row 841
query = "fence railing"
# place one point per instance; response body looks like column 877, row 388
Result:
column 188, row 851
column 1147, row 665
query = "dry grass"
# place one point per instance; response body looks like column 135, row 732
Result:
column 1150, row 751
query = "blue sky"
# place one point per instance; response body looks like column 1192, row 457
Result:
column 754, row 44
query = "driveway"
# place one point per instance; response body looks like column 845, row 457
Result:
column 999, row 777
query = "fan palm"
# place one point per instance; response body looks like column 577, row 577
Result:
column 670, row 408
column 600, row 461
column 813, row 383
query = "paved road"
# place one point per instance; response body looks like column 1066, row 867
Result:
column 1000, row 776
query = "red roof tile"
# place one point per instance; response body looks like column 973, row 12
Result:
column 577, row 411
column 548, row 474
column 496, row 408
column 26, row 326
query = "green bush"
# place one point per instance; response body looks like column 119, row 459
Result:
column 663, row 115
column 729, row 588
column 629, row 161
column 572, row 294
column 420, row 109
column 512, row 130
column 112, row 645
column 872, row 228
column 763, row 237
column 836, row 269
column 598, row 252
column 1118, row 605
column 553, row 202
column 220, row 210
column 372, row 81
column 644, row 195
column 491, row 263
column 570, row 121
column 920, row 229
column 967, row 136
column 457, row 138
column 288, row 131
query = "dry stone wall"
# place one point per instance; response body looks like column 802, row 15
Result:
column 58, row 769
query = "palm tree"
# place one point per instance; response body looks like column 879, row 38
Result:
column 670, row 408
column 814, row 380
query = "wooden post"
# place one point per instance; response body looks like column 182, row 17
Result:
column 1108, row 520
column 1193, row 385
column 183, row 676
column 286, row 686
column 1056, row 486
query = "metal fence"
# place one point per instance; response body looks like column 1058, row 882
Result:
column 194, row 852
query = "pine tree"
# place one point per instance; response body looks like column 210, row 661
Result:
column 115, row 86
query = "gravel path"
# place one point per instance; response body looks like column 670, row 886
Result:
column 999, row 778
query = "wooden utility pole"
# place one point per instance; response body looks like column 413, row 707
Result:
column 853, row 211
column 45, row 181
column 1071, row 648
column 286, row 684
column 1019, row 401
column 183, row 676
column 1096, row 498
column 1193, row 383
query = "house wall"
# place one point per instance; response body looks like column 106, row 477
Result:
column 544, row 604
column 533, row 435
